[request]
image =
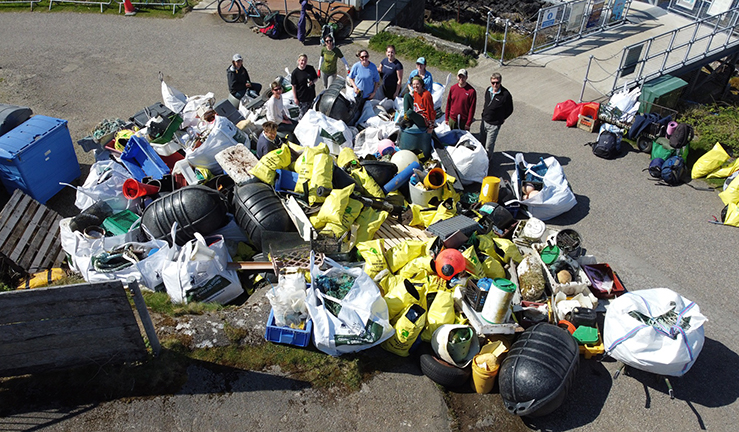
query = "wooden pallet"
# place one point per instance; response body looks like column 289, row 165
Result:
column 395, row 233
column 29, row 235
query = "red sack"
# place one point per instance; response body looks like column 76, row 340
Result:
column 562, row 110
column 574, row 115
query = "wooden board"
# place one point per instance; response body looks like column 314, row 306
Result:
column 395, row 233
column 29, row 235
column 67, row 326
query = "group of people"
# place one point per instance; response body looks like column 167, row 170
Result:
column 371, row 81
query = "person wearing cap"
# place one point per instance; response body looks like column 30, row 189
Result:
column 303, row 79
column 364, row 77
column 460, row 104
column 327, row 63
column 238, row 79
column 418, row 107
column 391, row 70
column 497, row 108
column 428, row 80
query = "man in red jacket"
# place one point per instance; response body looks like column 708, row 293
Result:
column 460, row 105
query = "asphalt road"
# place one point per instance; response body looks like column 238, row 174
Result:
column 88, row 67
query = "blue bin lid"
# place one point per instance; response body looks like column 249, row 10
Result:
column 21, row 137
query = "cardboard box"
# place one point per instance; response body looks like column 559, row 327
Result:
column 587, row 123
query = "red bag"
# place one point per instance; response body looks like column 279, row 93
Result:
column 562, row 110
column 574, row 115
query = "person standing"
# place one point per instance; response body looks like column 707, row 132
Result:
column 460, row 104
column 303, row 79
column 238, row 79
column 327, row 63
column 497, row 108
column 275, row 110
column 391, row 70
column 418, row 107
column 428, row 80
column 363, row 76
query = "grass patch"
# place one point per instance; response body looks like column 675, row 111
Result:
column 418, row 47
column 112, row 9
column 160, row 302
column 712, row 124
column 473, row 35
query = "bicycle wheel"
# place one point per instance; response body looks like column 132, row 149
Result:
column 258, row 13
column 342, row 24
column 229, row 10
column 291, row 24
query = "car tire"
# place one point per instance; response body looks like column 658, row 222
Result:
column 442, row 372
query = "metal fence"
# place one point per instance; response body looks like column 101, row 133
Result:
column 21, row 1
column 709, row 38
column 500, row 42
column 571, row 20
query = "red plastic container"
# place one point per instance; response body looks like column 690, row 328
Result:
column 593, row 270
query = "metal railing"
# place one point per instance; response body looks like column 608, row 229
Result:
column 576, row 19
column 101, row 3
column 175, row 4
column 379, row 18
column 21, row 1
column 502, row 42
column 706, row 38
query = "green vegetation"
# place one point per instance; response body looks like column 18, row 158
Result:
column 473, row 35
column 712, row 124
column 112, row 9
column 159, row 302
column 417, row 47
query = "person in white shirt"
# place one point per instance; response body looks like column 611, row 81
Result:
column 275, row 110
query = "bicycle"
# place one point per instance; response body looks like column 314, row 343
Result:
column 339, row 21
column 232, row 10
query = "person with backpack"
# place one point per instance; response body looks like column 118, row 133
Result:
column 497, row 108
column 303, row 78
column 239, row 82
column 327, row 63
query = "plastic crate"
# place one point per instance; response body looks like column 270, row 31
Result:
column 475, row 296
column 120, row 223
column 287, row 335
column 141, row 160
column 36, row 156
column 593, row 270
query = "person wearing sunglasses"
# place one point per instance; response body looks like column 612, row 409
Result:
column 239, row 82
column 275, row 110
column 363, row 76
column 327, row 63
column 497, row 108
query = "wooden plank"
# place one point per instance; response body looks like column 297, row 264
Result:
column 43, row 259
column 10, row 207
column 28, row 229
column 145, row 318
column 14, row 231
column 86, row 311
column 45, row 226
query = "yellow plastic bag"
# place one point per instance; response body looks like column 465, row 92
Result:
column 401, row 294
column 726, row 169
column 374, row 258
column 369, row 221
column 351, row 213
column 510, row 251
column 440, row 311
column 731, row 194
column 442, row 213
column 333, row 229
column 368, row 183
column 732, row 215
column 333, row 208
column 42, row 278
column 493, row 268
column 276, row 159
column 474, row 266
column 407, row 329
column 322, row 177
column 401, row 254
column 346, row 156
column 304, row 164
column 317, row 223
column 417, row 268
column 709, row 162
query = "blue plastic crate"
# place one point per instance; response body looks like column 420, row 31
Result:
column 141, row 160
column 36, row 156
column 285, row 180
column 287, row 335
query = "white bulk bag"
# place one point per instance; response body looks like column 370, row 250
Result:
column 315, row 128
column 668, row 345
column 220, row 137
column 469, row 157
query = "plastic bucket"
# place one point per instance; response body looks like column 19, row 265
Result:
column 422, row 197
column 483, row 378
column 416, row 140
column 497, row 308
column 489, row 189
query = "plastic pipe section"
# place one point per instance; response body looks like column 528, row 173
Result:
column 401, row 178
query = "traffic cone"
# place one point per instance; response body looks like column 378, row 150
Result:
column 133, row 189
column 128, row 7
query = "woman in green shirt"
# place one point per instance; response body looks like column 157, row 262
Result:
column 327, row 63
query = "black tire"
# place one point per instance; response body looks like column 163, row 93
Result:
column 644, row 144
column 229, row 10
column 442, row 372
column 291, row 24
column 263, row 11
column 343, row 24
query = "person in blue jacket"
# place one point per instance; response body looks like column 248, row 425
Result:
column 428, row 80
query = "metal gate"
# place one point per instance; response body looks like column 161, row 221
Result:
column 566, row 21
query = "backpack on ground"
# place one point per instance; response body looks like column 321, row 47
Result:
column 673, row 170
column 655, row 167
column 681, row 136
column 608, row 145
